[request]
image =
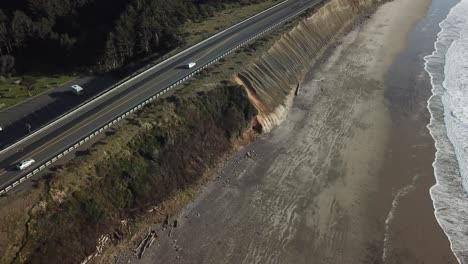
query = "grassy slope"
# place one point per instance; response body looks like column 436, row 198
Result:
column 150, row 158
column 12, row 94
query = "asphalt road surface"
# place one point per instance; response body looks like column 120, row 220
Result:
column 47, row 143
column 45, row 108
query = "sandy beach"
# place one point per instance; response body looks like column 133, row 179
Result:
column 345, row 179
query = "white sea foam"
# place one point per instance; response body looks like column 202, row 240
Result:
column 387, row 247
column 448, row 68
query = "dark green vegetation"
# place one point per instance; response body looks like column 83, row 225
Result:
column 166, row 147
column 100, row 34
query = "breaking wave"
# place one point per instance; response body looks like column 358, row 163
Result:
column 448, row 105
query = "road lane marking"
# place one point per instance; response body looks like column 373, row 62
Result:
column 41, row 148
column 86, row 122
column 200, row 56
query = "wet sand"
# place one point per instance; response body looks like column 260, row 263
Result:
column 412, row 232
column 344, row 179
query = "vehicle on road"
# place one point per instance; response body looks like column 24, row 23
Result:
column 190, row 65
column 76, row 89
column 25, row 163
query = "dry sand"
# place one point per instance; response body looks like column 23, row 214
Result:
column 323, row 187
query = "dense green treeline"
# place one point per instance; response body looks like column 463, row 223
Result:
column 102, row 35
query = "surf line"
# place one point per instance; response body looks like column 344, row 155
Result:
column 402, row 192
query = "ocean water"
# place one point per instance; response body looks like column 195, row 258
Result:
column 448, row 69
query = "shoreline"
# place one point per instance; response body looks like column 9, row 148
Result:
column 314, row 189
column 448, row 194
column 412, row 149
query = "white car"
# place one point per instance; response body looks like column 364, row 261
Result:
column 76, row 89
column 190, row 65
column 25, row 163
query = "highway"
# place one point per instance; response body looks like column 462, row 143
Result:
column 48, row 142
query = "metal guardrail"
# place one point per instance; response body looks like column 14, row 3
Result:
column 137, row 107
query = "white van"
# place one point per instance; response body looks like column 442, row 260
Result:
column 76, row 89
column 25, row 163
column 190, row 65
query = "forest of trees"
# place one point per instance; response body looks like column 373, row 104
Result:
column 102, row 35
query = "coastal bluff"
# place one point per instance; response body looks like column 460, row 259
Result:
column 271, row 80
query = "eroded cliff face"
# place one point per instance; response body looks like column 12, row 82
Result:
column 271, row 80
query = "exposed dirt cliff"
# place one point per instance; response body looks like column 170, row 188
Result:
column 270, row 81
